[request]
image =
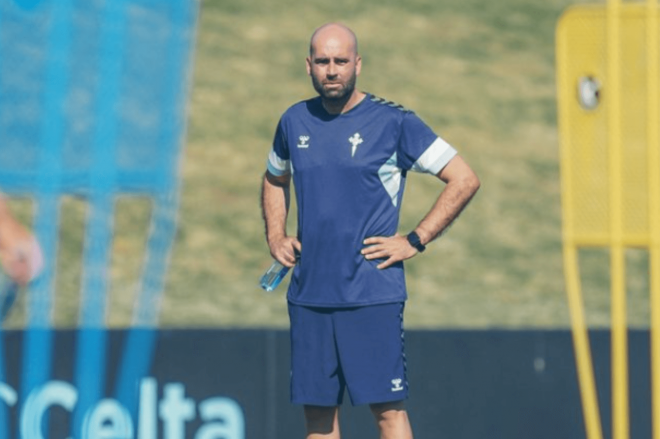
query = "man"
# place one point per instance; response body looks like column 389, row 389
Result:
column 348, row 153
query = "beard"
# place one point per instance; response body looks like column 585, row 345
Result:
column 335, row 94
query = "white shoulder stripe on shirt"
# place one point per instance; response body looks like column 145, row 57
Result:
column 436, row 157
column 276, row 165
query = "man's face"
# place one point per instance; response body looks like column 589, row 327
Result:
column 333, row 67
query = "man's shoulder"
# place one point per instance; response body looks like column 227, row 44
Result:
column 387, row 105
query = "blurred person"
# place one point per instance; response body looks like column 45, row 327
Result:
column 20, row 255
column 348, row 153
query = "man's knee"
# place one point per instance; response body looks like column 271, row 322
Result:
column 321, row 420
column 392, row 419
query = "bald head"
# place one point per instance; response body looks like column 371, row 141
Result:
column 334, row 65
column 335, row 34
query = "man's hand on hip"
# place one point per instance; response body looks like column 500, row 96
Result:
column 392, row 248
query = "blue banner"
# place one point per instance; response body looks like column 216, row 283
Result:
column 234, row 384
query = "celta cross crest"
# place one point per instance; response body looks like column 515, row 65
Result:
column 355, row 140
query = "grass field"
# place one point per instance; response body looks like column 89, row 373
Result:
column 481, row 73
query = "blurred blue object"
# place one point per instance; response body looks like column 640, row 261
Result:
column 93, row 97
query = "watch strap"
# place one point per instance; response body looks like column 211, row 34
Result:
column 413, row 239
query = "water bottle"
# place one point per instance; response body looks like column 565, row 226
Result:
column 273, row 276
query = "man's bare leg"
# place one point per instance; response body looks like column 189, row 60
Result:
column 322, row 422
column 392, row 420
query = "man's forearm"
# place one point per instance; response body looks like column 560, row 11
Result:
column 275, row 198
column 451, row 202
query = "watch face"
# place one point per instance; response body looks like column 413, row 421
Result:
column 414, row 240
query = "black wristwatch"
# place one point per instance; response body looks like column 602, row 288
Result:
column 413, row 239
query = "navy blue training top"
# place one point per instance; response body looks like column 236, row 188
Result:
column 349, row 173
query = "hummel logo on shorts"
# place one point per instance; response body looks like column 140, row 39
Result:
column 396, row 385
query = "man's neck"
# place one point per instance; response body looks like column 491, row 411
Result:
column 343, row 106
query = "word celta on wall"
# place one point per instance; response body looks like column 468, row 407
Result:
column 222, row 417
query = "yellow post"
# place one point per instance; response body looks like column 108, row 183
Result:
column 581, row 345
column 611, row 196
column 620, row 427
column 653, row 147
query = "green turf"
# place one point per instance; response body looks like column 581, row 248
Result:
column 481, row 73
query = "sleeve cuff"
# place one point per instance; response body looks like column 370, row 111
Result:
column 278, row 166
column 436, row 157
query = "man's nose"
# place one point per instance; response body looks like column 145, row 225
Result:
column 332, row 70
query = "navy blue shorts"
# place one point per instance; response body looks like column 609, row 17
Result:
column 360, row 349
